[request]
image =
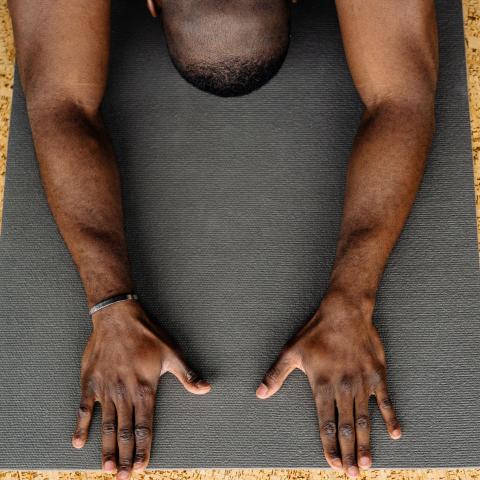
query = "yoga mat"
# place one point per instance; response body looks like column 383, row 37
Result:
column 232, row 214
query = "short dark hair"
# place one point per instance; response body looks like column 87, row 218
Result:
column 233, row 77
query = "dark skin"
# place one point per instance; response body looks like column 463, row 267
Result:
column 123, row 377
column 339, row 349
column 392, row 54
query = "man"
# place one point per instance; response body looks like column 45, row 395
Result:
column 229, row 47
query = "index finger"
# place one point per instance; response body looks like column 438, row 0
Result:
column 388, row 412
column 84, row 418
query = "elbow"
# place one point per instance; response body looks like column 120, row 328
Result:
column 414, row 108
column 51, row 102
column 49, row 110
column 412, row 115
column 408, row 102
column 56, row 116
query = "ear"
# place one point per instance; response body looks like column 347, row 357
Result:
column 152, row 7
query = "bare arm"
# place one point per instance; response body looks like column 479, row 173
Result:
column 391, row 49
column 392, row 53
column 62, row 53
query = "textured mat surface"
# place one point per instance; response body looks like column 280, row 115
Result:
column 232, row 214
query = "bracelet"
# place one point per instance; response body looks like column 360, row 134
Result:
column 111, row 301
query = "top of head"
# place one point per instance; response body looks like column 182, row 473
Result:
column 226, row 47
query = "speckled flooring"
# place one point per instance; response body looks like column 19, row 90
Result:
column 7, row 57
column 472, row 41
column 424, row 474
column 471, row 11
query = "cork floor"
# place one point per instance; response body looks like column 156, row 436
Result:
column 472, row 42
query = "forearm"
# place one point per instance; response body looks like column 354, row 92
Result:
column 383, row 177
column 82, row 185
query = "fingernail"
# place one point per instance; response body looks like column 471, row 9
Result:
column 364, row 462
column 77, row 442
column 262, row 390
column 396, row 434
column 109, row 466
column 203, row 384
column 352, row 471
column 123, row 475
column 138, row 467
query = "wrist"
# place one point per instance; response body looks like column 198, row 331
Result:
column 126, row 318
column 97, row 290
column 104, row 277
column 352, row 303
column 108, row 302
column 358, row 284
column 117, row 313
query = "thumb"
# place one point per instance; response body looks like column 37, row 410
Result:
column 276, row 376
column 190, row 380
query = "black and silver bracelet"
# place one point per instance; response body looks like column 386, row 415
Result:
column 112, row 300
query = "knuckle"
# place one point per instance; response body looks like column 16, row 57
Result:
column 376, row 376
column 392, row 423
column 125, row 464
column 363, row 422
column 272, row 375
column 331, row 452
column 84, row 410
column 346, row 430
column 125, row 434
column 346, row 384
column 108, row 456
column 363, row 451
column 144, row 391
column 328, row 428
column 142, row 432
column 92, row 385
column 191, row 376
column 109, row 428
column 140, row 457
column 119, row 390
column 349, row 460
column 323, row 388
column 386, row 404
column 80, row 433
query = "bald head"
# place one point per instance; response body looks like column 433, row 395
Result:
column 226, row 47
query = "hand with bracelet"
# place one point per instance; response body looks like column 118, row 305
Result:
column 123, row 361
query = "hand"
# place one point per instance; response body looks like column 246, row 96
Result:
column 341, row 353
column 122, row 363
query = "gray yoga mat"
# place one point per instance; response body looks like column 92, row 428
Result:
column 232, row 209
